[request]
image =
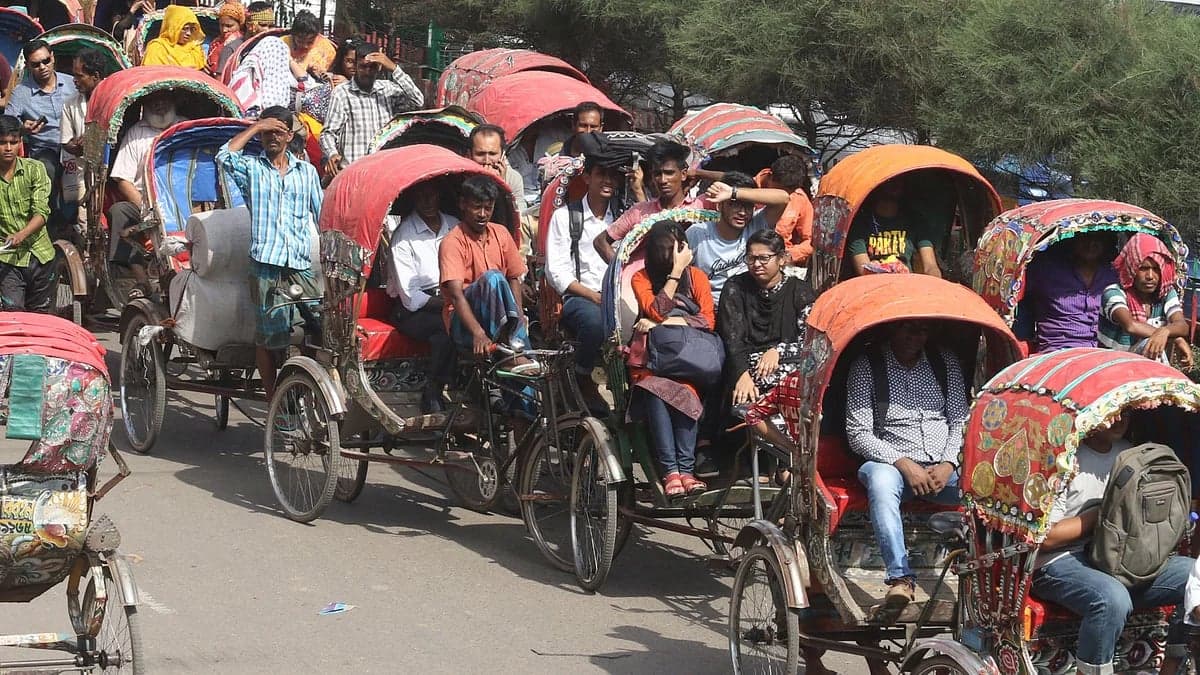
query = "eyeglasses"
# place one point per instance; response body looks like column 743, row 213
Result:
column 760, row 259
column 44, row 62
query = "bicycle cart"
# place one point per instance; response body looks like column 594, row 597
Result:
column 56, row 396
column 448, row 127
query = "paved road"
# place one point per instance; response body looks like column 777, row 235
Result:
column 231, row 586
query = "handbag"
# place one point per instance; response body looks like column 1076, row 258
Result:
column 685, row 353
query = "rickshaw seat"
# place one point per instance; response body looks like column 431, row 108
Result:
column 381, row 340
column 1039, row 612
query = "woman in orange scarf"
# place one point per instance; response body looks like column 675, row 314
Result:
column 310, row 49
column 178, row 42
column 231, row 19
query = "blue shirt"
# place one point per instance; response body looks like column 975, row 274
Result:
column 720, row 258
column 29, row 102
column 283, row 208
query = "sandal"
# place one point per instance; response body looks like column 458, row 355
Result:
column 673, row 485
column 693, row 485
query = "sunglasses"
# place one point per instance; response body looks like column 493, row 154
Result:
column 44, row 62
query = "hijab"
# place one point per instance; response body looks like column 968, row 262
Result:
column 165, row 49
column 1138, row 249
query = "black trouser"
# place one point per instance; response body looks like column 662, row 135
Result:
column 426, row 325
column 30, row 288
column 120, row 216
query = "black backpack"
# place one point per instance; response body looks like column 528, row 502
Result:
column 879, row 377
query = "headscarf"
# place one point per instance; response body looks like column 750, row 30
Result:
column 1138, row 249
column 233, row 9
column 263, row 17
column 165, row 49
column 264, row 77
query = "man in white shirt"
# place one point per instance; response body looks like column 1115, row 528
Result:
column 576, row 270
column 129, row 181
column 414, row 282
column 90, row 67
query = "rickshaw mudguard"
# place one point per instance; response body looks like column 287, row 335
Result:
column 155, row 314
column 75, row 268
column 792, row 559
column 123, row 575
column 331, row 390
column 967, row 659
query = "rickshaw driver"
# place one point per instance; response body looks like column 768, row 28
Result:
column 128, row 181
column 886, row 238
column 284, row 196
column 668, row 168
column 909, row 429
column 481, row 272
column 1064, row 576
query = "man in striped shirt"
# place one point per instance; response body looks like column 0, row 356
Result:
column 27, row 272
column 284, row 195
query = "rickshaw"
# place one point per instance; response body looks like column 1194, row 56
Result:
column 581, row 514
column 16, row 28
column 56, row 396
column 516, row 102
column 200, row 339
column 1018, row 457
column 334, row 411
column 55, row 13
column 947, row 187
column 1016, row 238
column 448, row 127
column 113, row 108
column 151, row 23
column 730, row 136
column 470, row 73
column 67, row 40
column 814, row 578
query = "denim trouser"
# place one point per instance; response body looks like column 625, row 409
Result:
column 582, row 318
column 673, row 434
column 495, row 309
column 886, row 490
column 1103, row 604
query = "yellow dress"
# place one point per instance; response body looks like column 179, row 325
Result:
column 321, row 55
column 165, row 49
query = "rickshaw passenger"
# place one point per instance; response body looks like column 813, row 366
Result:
column 668, row 168
column 720, row 247
column 179, row 41
column 129, row 181
column 487, row 150
column 260, row 16
column 790, row 174
column 481, row 272
column 38, row 101
column 906, row 408
column 284, row 196
column 761, row 320
column 1142, row 313
column 311, row 50
column 1061, row 307
column 887, row 237
column 1065, row 576
column 576, row 270
column 414, row 281
column 27, row 269
column 359, row 110
column 230, row 18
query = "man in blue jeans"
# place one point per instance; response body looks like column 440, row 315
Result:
column 906, row 406
column 1064, row 574
column 576, row 270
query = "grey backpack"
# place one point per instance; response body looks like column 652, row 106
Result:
column 1144, row 514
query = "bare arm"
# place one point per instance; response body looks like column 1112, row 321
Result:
column 929, row 262
column 126, row 192
column 604, row 246
column 482, row 341
column 860, row 261
column 1072, row 529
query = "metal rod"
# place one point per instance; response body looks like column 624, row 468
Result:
column 69, row 663
column 754, row 482
column 379, row 457
column 219, row 390
column 881, row 653
column 672, row 527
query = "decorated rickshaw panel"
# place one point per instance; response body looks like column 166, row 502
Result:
column 723, row 126
column 66, row 41
column 471, row 72
column 451, row 122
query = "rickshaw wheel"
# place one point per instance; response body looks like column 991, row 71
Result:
column 764, row 633
column 477, row 484
column 544, row 493
column 594, row 515
column 143, row 387
column 352, row 477
column 302, row 447
column 65, row 304
column 119, row 641
column 222, row 412
column 938, row 665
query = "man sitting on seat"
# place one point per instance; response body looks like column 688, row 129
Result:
column 414, row 281
column 481, row 272
column 1064, row 574
column 906, row 407
column 888, row 237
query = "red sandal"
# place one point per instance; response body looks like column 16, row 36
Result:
column 692, row 485
column 673, row 485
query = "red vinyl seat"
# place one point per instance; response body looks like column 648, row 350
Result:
column 380, row 339
column 1039, row 612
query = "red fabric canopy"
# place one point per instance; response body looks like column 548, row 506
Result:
column 115, row 93
column 359, row 198
column 515, row 102
column 722, row 126
column 29, row 333
column 473, row 71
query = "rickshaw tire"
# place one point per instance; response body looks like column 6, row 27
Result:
column 132, row 622
column 347, row 489
column 465, row 487
column 129, row 341
column 792, row 619
column 221, row 404
column 332, row 467
column 624, row 525
column 525, row 486
column 938, row 665
column 589, row 456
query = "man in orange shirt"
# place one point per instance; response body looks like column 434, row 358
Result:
column 790, row 173
column 481, row 270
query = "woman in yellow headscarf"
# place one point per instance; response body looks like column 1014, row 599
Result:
column 179, row 41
